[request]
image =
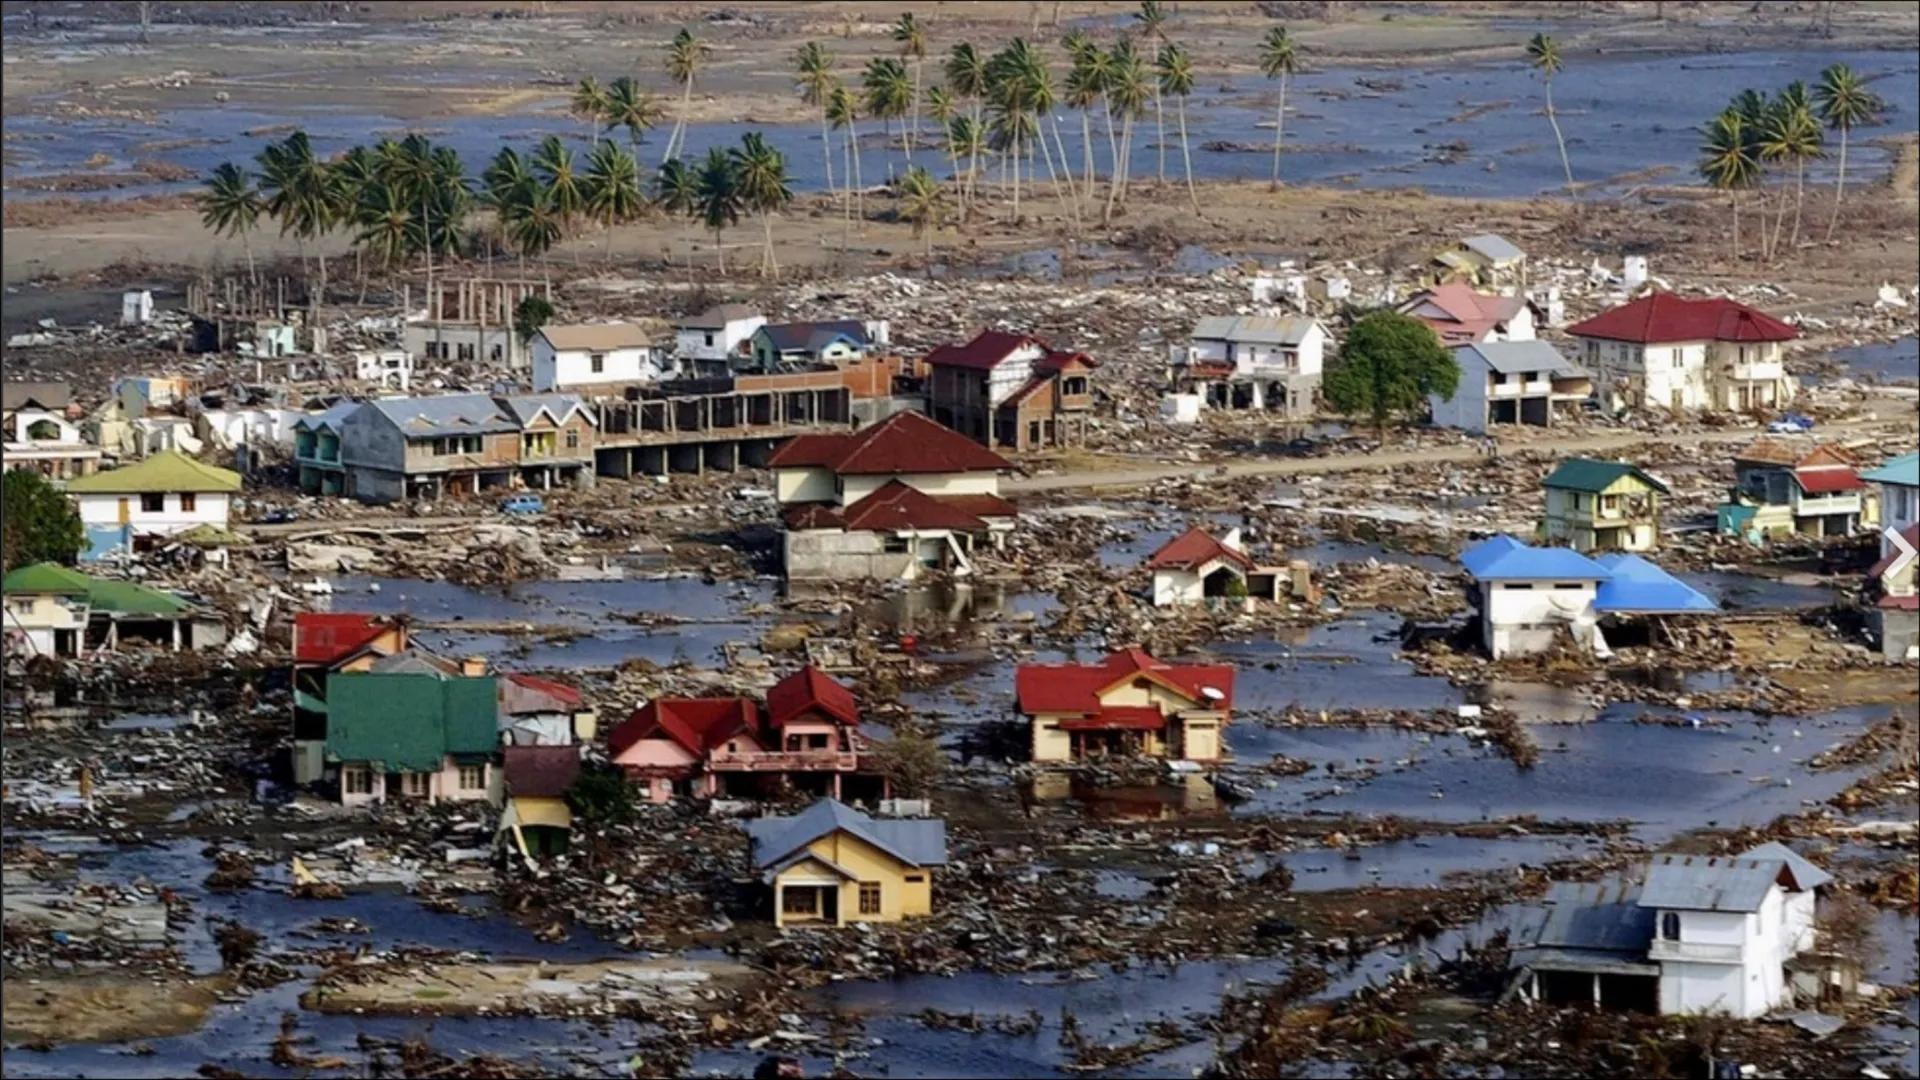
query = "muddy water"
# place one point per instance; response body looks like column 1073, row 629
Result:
column 1427, row 862
column 1351, row 664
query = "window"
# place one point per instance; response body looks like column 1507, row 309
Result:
column 494, row 354
column 869, row 898
column 473, row 777
column 152, row 504
column 1678, row 362
column 1517, row 586
column 186, row 502
column 597, row 362
column 414, row 784
column 1566, row 584
column 709, row 337
column 356, row 782
column 573, row 440
column 916, row 879
column 798, row 901
column 1670, row 925
column 1075, row 385
column 1499, row 378
column 467, row 352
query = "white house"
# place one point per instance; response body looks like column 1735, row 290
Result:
column 591, row 354
column 1509, row 382
column 1253, row 361
column 388, row 368
column 48, row 443
column 1196, row 567
column 708, row 340
column 129, row 508
column 1673, row 353
column 1701, row 934
column 1525, row 597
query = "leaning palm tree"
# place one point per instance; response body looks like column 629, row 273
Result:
column 1152, row 21
column 294, row 189
column 231, row 206
column 1279, row 59
column 717, row 200
column 966, row 138
column 966, row 73
column 913, row 45
column 1127, row 94
column 676, row 191
column 630, row 107
column 813, row 67
column 1543, row 55
column 761, row 174
column 1728, row 164
column 612, row 189
column 590, row 104
column 1790, row 133
column 1843, row 103
column 888, row 94
column 684, row 57
column 843, row 112
column 1176, row 78
column 923, row 204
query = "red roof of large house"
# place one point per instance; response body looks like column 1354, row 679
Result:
column 905, row 443
column 1828, row 479
column 1119, row 718
column 322, row 637
column 810, row 689
column 1663, row 316
column 1193, row 549
column 697, row 724
column 897, row 506
column 1911, row 534
column 1075, row 688
column 991, row 348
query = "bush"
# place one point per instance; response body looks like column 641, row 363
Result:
column 37, row 522
column 911, row 763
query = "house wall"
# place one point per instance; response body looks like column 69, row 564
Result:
column 1049, row 742
column 1468, row 409
column 1200, row 735
column 819, row 554
column 1517, row 621
column 655, row 754
column 1519, row 328
column 36, row 618
column 500, row 450
column 1687, row 987
column 62, row 431
column 574, row 367
column 1177, row 587
column 1896, row 631
column 455, row 342
column 1899, row 508
column 1574, row 517
column 803, row 485
column 104, row 509
column 984, row 482
column 716, row 344
column 898, row 898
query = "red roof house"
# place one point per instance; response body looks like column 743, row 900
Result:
column 1128, row 704
column 904, row 444
column 1460, row 316
column 327, row 638
column 1664, row 317
column 1196, row 548
column 1011, row 390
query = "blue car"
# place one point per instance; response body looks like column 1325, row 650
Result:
column 523, row 503
column 1791, row 424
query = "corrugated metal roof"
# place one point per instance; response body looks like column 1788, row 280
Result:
column 1904, row 469
column 446, row 414
column 1805, row 874
column 1493, row 246
column 1604, row 915
column 1260, row 329
column 1709, row 883
column 163, row 473
column 1511, row 357
column 1590, row 475
column 1636, row 586
column 525, row 407
column 613, row 335
column 918, row 842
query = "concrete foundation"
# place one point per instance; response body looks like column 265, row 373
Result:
column 1897, row 632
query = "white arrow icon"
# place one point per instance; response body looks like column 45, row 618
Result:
column 1906, row 549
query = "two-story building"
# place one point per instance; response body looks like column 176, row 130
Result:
column 586, row 357
column 400, row 448
column 1253, row 362
column 1128, row 705
column 316, row 449
column 714, row 342
column 1460, row 316
column 1782, row 487
column 388, row 369
column 1602, row 506
column 894, row 500
column 831, row 865
column 40, row 436
column 135, row 507
column 1531, row 600
column 415, row 734
column 1673, row 353
column 1700, row 934
column 1509, row 382
column 1011, row 391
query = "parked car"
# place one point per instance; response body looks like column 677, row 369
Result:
column 280, row 516
column 1791, row 424
column 523, row 503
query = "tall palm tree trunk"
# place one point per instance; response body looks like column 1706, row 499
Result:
column 1086, row 149
column 1160, row 135
column 768, row 263
column 1014, row 158
column 1554, row 120
column 1839, row 183
column 719, row 253
column 859, row 185
column 1733, row 197
column 680, row 121
column 1799, row 198
column 1186, row 155
column 826, row 148
column 1113, row 148
column 1066, row 169
column 918, row 66
column 246, row 244
column 1279, row 129
column 1068, row 203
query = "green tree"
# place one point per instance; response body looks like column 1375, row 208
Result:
column 1543, row 55
column 387, row 227
column 559, row 177
column 966, row 139
column 684, row 57
column 813, row 68
column 1279, row 59
column 843, row 113
column 529, row 315
column 912, row 38
column 601, row 797
column 718, row 203
column 1127, row 90
column 966, row 73
column 38, row 522
column 1176, row 78
column 888, row 93
column 630, row 107
column 612, row 189
column 676, row 190
column 1843, row 103
column 589, row 103
column 1389, row 364
column 1728, row 162
column 231, row 206
column 1790, row 133
column 760, row 172
column 923, row 204
column 912, row 764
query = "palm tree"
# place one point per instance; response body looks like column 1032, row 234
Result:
column 231, row 206
column 967, row 74
column 967, row 138
column 941, row 108
column 814, row 65
column 1009, row 94
column 1844, row 103
column 630, row 107
column 1728, row 164
column 676, row 190
column 533, row 226
column 843, row 111
column 913, row 45
column 760, row 174
column 888, row 95
column 684, row 58
column 1279, row 59
column 1152, row 18
column 388, row 228
column 717, row 199
column 613, row 189
column 590, row 104
column 348, row 176
column 452, row 196
column 1176, row 78
column 1543, row 54
column 1086, row 83
column 504, row 176
column 1790, row 133
column 553, row 166
column 1127, row 92
column 923, row 204
column 1753, row 108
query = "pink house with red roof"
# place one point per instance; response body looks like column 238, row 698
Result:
column 894, row 500
column 1664, row 350
column 807, row 735
column 1128, row 705
column 1460, row 316
column 1012, row 391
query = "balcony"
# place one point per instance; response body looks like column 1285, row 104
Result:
column 1758, row 371
column 1695, row 952
column 785, row 761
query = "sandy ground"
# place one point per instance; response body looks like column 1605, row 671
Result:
column 450, row 989
column 104, row 1008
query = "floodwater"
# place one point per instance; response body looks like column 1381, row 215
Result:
column 1887, row 361
column 1473, row 129
column 1350, row 664
column 1735, row 591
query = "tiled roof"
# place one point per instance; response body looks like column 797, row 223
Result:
column 916, row 842
column 810, row 689
column 1075, row 688
column 988, row 350
column 540, row 772
column 1587, row 474
column 981, row 505
column 697, row 724
column 1466, row 314
column 324, row 637
column 165, row 472
column 1828, row 479
column 1663, row 316
column 1193, row 549
column 896, row 506
column 560, row 696
column 905, row 443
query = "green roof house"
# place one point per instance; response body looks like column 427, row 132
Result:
column 56, row 611
column 418, row 735
column 133, row 507
column 1603, row 506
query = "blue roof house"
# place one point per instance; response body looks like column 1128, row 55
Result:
column 1527, row 596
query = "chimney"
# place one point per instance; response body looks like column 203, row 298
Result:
column 473, row 666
